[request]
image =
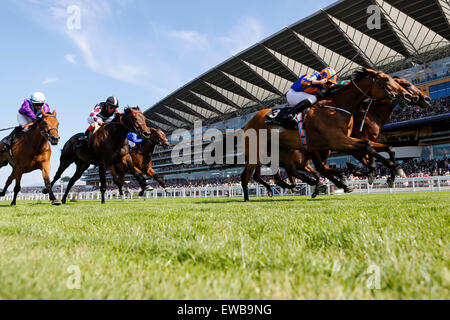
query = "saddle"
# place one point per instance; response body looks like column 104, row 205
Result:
column 9, row 141
column 279, row 117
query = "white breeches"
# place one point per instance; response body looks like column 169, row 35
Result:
column 294, row 97
column 23, row 120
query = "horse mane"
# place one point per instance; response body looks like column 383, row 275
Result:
column 360, row 74
column 357, row 75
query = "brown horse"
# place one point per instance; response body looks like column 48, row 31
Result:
column 32, row 151
column 375, row 120
column 108, row 149
column 111, row 150
column 328, row 124
column 141, row 154
column 369, row 127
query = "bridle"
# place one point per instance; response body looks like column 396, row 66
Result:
column 133, row 113
column 46, row 133
column 375, row 79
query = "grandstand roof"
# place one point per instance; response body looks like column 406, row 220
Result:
column 411, row 33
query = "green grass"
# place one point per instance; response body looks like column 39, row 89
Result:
column 280, row 248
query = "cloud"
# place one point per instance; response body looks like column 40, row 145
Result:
column 190, row 38
column 245, row 33
column 70, row 58
column 50, row 80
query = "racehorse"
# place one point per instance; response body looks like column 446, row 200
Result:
column 108, row 149
column 32, row 151
column 142, row 153
column 371, row 126
column 328, row 125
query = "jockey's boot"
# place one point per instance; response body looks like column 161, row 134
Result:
column 300, row 107
column 83, row 141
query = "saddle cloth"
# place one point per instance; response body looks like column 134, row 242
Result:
column 279, row 117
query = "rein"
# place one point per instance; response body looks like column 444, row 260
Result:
column 46, row 135
column 369, row 97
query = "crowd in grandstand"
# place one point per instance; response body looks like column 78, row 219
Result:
column 406, row 113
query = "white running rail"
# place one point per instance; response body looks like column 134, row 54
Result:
column 425, row 184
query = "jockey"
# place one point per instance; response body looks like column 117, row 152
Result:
column 133, row 139
column 103, row 112
column 304, row 93
column 30, row 110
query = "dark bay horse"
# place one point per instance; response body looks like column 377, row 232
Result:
column 328, row 124
column 142, row 154
column 108, row 149
column 32, row 151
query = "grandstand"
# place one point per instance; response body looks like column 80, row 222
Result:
column 412, row 41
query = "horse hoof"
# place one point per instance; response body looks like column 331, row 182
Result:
column 348, row 189
column 321, row 187
column 63, row 201
column 270, row 194
column 166, row 190
column 141, row 193
column 45, row 191
column 390, row 183
column 148, row 188
column 370, row 180
column 13, row 204
column 56, row 203
column 314, row 195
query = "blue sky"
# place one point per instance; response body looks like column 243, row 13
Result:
column 138, row 50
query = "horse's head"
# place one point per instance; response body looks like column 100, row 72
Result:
column 134, row 120
column 419, row 98
column 158, row 137
column 382, row 86
column 48, row 126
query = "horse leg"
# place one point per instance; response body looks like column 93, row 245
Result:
column 328, row 173
column 119, row 179
column 81, row 168
column 283, row 184
column 137, row 174
column 45, row 168
column 257, row 177
column 245, row 178
column 8, row 183
column 368, row 161
column 393, row 166
column 102, row 174
column 17, row 187
column 63, row 165
column 397, row 170
column 153, row 175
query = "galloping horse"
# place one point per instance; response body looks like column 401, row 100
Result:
column 375, row 120
column 328, row 124
column 108, row 150
column 32, row 151
column 141, row 155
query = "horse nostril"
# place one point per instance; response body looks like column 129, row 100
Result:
column 415, row 99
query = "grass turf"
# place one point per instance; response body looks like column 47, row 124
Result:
column 281, row 248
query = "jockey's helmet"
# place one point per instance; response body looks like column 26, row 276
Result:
column 330, row 74
column 113, row 102
column 38, row 98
